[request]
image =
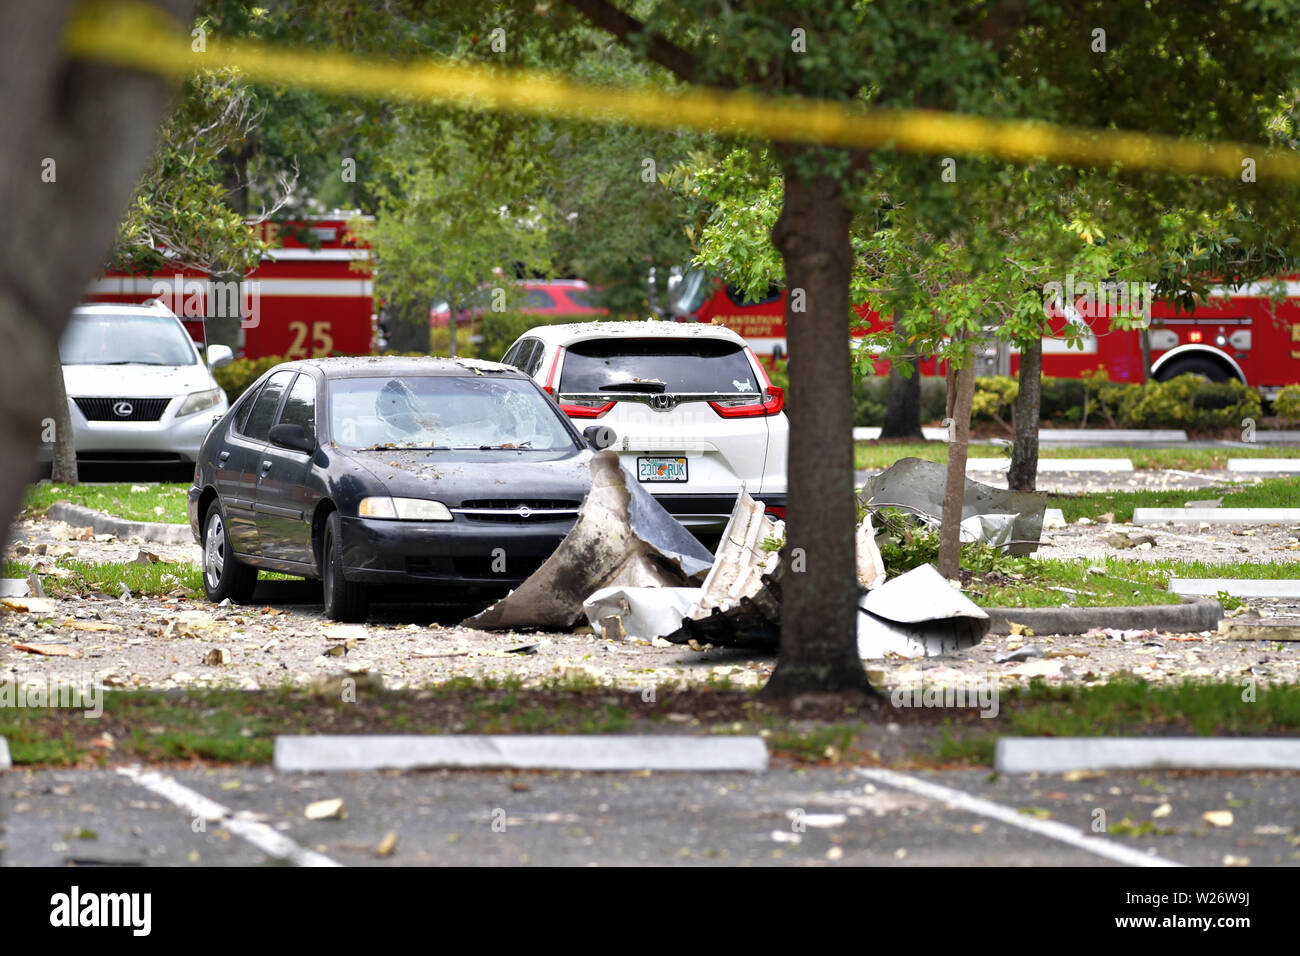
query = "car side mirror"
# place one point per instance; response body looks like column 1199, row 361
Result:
column 599, row 436
column 219, row 355
column 293, row 437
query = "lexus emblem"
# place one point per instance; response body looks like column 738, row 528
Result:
column 524, row 512
column 662, row 402
column 123, row 409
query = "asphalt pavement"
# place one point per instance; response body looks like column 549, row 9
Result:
column 779, row 817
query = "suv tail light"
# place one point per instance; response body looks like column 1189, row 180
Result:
column 770, row 405
column 585, row 411
column 776, row 512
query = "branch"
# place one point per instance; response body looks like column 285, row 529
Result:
column 630, row 32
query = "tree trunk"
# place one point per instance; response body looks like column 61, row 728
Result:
column 819, row 647
column 1023, row 475
column 63, row 458
column 954, row 493
column 903, row 407
column 75, row 139
column 1144, row 340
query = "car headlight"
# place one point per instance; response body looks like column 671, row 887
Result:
column 198, row 401
column 403, row 509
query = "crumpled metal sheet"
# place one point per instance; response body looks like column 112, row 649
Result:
column 740, row 561
column 918, row 614
column 644, row 613
column 622, row 536
column 753, row 621
column 915, row 485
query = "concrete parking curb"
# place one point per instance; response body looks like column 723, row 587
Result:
column 157, row 531
column 1148, row 516
column 1265, row 465
column 1055, row 464
column 519, row 751
column 1062, row 754
column 5, row 761
column 1237, row 587
column 1201, row 615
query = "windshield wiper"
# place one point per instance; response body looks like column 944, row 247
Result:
column 635, row 387
column 403, row 448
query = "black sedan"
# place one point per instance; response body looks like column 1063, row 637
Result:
column 373, row 471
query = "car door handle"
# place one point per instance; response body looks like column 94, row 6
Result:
column 266, row 466
column 223, row 456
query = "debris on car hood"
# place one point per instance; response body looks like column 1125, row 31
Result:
column 1012, row 520
column 918, row 614
column 622, row 537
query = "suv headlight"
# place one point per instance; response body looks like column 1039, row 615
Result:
column 403, row 509
column 198, row 401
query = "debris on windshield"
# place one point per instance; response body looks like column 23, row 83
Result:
column 622, row 537
column 1011, row 520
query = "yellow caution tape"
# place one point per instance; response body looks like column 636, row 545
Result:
column 138, row 36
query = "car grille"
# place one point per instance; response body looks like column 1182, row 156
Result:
column 105, row 409
column 519, row 510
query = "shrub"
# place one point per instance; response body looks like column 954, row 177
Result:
column 1188, row 401
column 235, row 378
column 995, row 397
column 1286, row 405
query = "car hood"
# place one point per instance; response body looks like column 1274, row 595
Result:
column 453, row 477
column 135, row 381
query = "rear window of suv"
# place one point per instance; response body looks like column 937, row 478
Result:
column 677, row 366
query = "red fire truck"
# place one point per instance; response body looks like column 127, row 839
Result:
column 1237, row 333
column 312, row 295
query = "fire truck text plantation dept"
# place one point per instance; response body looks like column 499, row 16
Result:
column 312, row 295
column 1239, row 333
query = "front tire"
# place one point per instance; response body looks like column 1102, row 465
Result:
column 224, row 575
column 345, row 600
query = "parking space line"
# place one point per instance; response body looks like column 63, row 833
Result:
column 960, row 800
column 270, row 842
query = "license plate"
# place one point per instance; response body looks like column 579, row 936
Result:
column 661, row 469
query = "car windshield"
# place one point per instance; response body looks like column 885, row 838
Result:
column 107, row 338
column 444, row 412
column 657, row 365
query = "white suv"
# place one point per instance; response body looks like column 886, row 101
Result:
column 139, row 389
column 691, row 408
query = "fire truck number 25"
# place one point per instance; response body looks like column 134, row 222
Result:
column 322, row 340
